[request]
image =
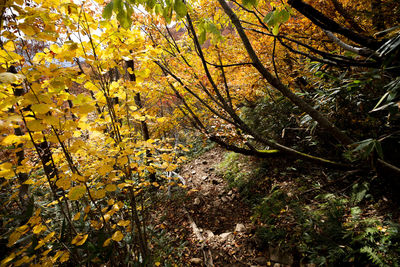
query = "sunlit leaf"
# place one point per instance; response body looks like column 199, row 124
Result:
column 76, row 192
column 107, row 11
column 180, row 8
column 117, row 236
column 79, row 240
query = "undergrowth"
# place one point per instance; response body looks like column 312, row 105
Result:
column 333, row 227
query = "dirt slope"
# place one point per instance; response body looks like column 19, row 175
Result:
column 222, row 220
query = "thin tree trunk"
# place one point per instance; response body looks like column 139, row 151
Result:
column 139, row 104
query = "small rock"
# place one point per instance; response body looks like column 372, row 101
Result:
column 261, row 260
column 209, row 234
column 196, row 201
column 240, row 228
column 205, row 177
column 225, row 236
column 224, row 199
column 205, row 162
column 277, row 265
column 197, row 261
column 193, row 172
column 230, row 193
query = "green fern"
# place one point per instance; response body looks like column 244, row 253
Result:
column 374, row 257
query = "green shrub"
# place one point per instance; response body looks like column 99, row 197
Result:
column 328, row 232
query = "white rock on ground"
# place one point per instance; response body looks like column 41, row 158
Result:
column 225, row 236
column 197, row 261
column 240, row 228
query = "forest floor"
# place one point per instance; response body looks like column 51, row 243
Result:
column 213, row 220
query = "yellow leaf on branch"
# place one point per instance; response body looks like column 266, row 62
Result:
column 76, row 192
column 79, row 240
column 117, row 236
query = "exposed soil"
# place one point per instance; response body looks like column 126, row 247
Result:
column 220, row 215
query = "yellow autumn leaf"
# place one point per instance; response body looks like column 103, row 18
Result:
column 64, row 257
column 87, row 209
column 77, row 216
column 111, row 187
column 98, row 194
column 124, row 223
column 25, row 259
column 64, row 183
column 171, row 167
column 79, row 240
column 14, row 237
column 157, row 263
column 29, row 181
column 107, row 242
column 49, row 236
column 51, row 120
column 40, row 108
column 123, row 160
column 56, row 256
column 11, row 139
column 78, row 178
column 9, row 46
column 85, row 109
column 103, row 170
column 46, row 252
column 76, row 192
column 35, row 126
column 8, row 259
column 117, row 236
column 38, row 228
column 8, row 77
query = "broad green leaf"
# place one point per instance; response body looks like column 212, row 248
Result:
column 158, row 9
column 107, row 12
column 273, row 19
column 283, row 16
column 180, row 8
column 268, row 17
column 117, row 6
column 249, row 3
column 202, row 37
column 211, row 27
column 150, row 4
column 363, row 144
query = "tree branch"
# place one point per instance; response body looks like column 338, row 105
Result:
column 326, row 23
column 304, row 106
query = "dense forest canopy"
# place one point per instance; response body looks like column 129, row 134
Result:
column 100, row 101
